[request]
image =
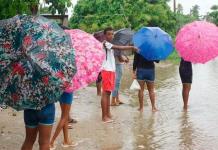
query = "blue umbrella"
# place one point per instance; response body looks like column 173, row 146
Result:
column 153, row 43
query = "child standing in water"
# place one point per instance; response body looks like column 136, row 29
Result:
column 144, row 72
column 185, row 71
column 108, row 73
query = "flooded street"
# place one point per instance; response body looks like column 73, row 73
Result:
column 168, row 129
column 171, row 128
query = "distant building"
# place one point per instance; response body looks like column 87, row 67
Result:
column 61, row 19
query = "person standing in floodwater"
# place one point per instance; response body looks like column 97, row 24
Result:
column 108, row 73
column 144, row 72
column 120, row 60
column 185, row 71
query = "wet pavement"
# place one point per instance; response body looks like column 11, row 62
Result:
column 169, row 129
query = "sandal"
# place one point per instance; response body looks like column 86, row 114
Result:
column 70, row 126
column 114, row 104
column 52, row 147
column 69, row 145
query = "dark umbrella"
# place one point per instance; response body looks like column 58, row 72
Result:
column 123, row 37
column 99, row 36
column 36, row 62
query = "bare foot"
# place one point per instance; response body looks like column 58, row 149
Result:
column 141, row 110
column 154, row 109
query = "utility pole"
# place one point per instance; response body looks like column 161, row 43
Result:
column 174, row 6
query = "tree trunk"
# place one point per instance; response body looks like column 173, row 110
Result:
column 174, row 6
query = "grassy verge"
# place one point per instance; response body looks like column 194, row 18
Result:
column 174, row 57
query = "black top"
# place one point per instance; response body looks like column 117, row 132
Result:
column 141, row 62
column 185, row 66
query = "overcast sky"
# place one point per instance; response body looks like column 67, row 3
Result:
column 205, row 5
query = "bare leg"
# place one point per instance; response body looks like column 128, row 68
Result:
column 185, row 94
column 150, row 86
column 113, row 101
column 108, row 105
column 98, row 85
column 104, row 106
column 65, row 110
column 31, row 134
column 141, row 95
column 44, row 137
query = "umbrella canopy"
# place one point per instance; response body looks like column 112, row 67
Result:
column 89, row 58
column 197, row 42
column 123, row 37
column 153, row 43
column 36, row 62
column 99, row 36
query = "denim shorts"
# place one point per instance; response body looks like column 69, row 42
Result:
column 45, row 116
column 145, row 75
column 66, row 98
column 119, row 73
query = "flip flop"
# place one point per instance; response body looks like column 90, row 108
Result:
column 70, row 126
column 121, row 103
column 109, row 121
column 115, row 104
column 69, row 145
column 52, row 148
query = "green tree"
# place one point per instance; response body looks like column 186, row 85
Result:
column 180, row 9
column 9, row 8
column 195, row 12
column 45, row 10
column 122, row 13
column 213, row 15
column 59, row 6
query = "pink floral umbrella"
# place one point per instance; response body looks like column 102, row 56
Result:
column 197, row 42
column 89, row 58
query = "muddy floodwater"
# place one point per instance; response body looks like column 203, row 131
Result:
column 169, row 129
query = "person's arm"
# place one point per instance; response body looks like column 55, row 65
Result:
column 125, row 48
column 135, row 63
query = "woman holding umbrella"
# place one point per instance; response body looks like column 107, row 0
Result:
column 154, row 44
column 196, row 42
column 144, row 72
column 185, row 71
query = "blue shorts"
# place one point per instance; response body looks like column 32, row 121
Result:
column 147, row 75
column 66, row 98
column 45, row 116
column 119, row 73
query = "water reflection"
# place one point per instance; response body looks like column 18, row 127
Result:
column 186, row 133
column 171, row 128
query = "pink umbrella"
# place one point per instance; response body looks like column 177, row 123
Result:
column 197, row 42
column 89, row 57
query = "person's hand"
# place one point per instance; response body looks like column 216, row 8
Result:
column 135, row 49
column 127, row 61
